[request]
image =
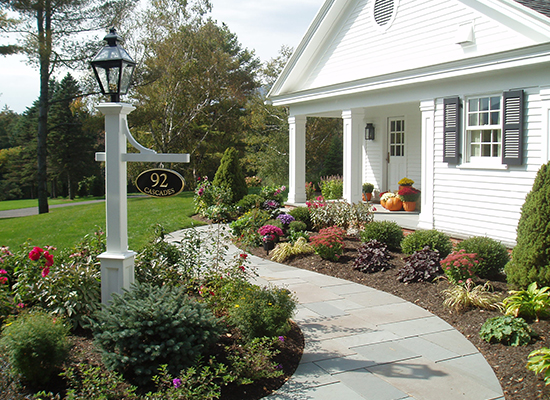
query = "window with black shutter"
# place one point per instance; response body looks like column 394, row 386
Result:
column 451, row 130
column 512, row 128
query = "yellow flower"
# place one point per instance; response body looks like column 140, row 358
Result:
column 236, row 306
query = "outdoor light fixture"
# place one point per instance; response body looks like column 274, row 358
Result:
column 369, row 131
column 113, row 67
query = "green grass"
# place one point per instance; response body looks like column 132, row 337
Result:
column 30, row 203
column 64, row 227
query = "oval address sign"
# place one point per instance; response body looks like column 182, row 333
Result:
column 160, row 182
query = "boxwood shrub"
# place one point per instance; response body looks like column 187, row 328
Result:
column 432, row 238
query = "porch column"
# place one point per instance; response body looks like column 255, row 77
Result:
column 354, row 130
column 297, row 159
column 426, row 217
column 545, row 130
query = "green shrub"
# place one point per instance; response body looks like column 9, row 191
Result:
column 297, row 226
column 210, row 199
column 531, row 257
column 373, row 257
column 230, row 175
column 262, row 311
column 302, row 214
column 459, row 266
column 274, row 193
column 36, row 345
column 332, row 187
column 532, row 304
column 329, row 243
column 507, row 330
column 387, row 232
column 491, row 254
column 249, row 202
column 91, row 382
column 422, row 265
column 245, row 229
column 149, row 326
column 435, row 240
column 539, row 363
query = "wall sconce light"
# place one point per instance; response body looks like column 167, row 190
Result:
column 369, row 131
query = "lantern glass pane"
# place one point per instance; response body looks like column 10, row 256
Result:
column 127, row 71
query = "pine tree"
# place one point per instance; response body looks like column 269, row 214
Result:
column 531, row 257
column 230, row 175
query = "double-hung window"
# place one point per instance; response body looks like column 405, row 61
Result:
column 493, row 130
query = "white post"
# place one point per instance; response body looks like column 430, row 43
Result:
column 354, row 131
column 117, row 263
column 297, row 159
column 426, row 217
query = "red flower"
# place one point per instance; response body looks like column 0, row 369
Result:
column 3, row 279
column 49, row 259
column 45, row 272
column 243, row 256
column 241, row 267
column 35, row 253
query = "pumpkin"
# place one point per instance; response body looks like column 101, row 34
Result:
column 394, row 204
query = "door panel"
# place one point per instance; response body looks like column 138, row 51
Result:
column 397, row 159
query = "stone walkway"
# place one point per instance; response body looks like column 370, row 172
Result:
column 362, row 343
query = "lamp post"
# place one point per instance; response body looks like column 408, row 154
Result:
column 113, row 68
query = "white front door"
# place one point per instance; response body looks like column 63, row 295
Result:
column 397, row 160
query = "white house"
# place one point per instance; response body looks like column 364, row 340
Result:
column 458, row 92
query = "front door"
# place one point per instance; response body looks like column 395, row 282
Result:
column 397, row 160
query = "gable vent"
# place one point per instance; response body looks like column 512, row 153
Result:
column 383, row 12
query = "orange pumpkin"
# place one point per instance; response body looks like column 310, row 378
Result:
column 394, row 204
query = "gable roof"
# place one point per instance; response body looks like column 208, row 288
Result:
column 342, row 45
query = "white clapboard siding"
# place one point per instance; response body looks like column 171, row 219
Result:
column 423, row 33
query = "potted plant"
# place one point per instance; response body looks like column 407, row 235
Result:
column 408, row 196
column 405, row 182
column 367, row 191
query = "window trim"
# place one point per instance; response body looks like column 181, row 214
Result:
column 482, row 160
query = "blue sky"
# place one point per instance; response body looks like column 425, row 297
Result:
column 262, row 25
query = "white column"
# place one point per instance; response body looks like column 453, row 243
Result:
column 117, row 263
column 425, row 219
column 545, row 128
column 297, row 159
column 354, row 131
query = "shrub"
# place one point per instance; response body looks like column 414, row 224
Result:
column 329, row 243
column 491, row 254
column 462, row 297
column 284, row 251
column 507, row 330
column 36, row 345
column 531, row 257
column 539, row 363
column 230, row 175
column 387, row 232
column 249, row 202
column 373, row 257
column 209, row 197
column 422, row 265
column 310, row 190
column 341, row 214
column 275, row 193
column 332, row 187
column 297, row 226
column 302, row 214
column 532, row 304
column 435, row 240
column 149, row 326
column 253, row 181
column 262, row 311
column 245, row 229
column 285, row 219
column 459, row 266
column 91, row 382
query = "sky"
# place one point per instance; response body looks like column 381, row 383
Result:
column 260, row 25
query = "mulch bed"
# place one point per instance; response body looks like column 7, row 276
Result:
column 517, row 382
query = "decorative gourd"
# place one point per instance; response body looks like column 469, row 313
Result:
column 394, row 204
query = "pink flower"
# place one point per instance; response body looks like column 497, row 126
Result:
column 35, row 253
column 45, row 272
column 3, row 280
column 21, row 305
column 3, row 271
column 49, row 259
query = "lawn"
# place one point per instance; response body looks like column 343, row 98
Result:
column 63, row 227
column 30, row 203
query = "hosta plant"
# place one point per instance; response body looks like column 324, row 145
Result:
column 421, row 266
column 532, row 304
column 373, row 257
column 463, row 297
column 539, row 363
column 507, row 330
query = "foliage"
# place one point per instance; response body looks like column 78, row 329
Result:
column 367, row 187
column 507, row 330
column 459, row 266
column 285, row 219
column 245, row 229
column 284, row 251
column 5, row 298
column 297, row 226
column 467, row 295
column 531, row 256
column 310, row 190
column 253, row 181
column 341, row 214
column 213, row 201
column 373, row 257
column 274, row 193
column 333, row 163
column 531, row 304
column 252, row 360
column 492, row 255
column 387, row 232
column 432, row 238
column 150, row 326
column 249, row 202
column 422, row 265
column 329, row 243
column 332, row 187
column 36, row 344
column 539, row 363
column 230, row 175
column 302, row 214
column 91, row 382
column 408, row 193
column 262, row 311
column 405, row 182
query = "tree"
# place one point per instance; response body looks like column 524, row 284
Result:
column 230, row 175
column 531, row 257
column 51, row 30
column 8, row 119
column 333, row 163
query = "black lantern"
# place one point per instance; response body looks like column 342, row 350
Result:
column 369, row 131
column 113, row 67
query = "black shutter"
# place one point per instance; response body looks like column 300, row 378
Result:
column 512, row 129
column 451, row 130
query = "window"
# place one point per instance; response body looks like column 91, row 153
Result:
column 483, row 127
column 493, row 130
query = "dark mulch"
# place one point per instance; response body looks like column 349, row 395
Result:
column 517, row 382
